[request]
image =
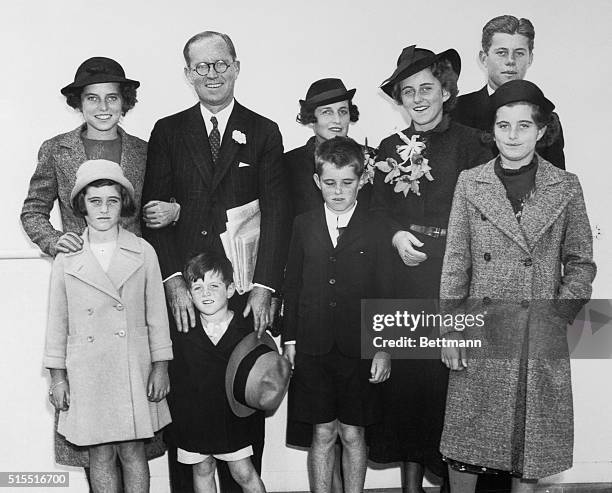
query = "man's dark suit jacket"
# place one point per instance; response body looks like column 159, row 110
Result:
column 472, row 110
column 324, row 285
column 180, row 165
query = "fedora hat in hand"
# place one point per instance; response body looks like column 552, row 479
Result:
column 257, row 376
column 412, row 60
column 97, row 70
column 326, row 91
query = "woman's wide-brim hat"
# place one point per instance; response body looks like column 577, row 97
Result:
column 412, row 60
column 257, row 376
column 516, row 91
column 327, row 91
column 99, row 169
column 97, row 70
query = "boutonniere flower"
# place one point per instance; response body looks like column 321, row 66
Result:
column 238, row 137
column 406, row 175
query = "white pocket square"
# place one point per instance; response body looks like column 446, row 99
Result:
column 243, row 165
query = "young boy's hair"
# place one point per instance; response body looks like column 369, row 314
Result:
column 341, row 152
column 128, row 208
column 197, row 267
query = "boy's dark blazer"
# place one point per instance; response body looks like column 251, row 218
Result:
column 324, row 285
column 202, row 418
column 180, row 166
column 472, row 110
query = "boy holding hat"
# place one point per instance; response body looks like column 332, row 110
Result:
column 337, row 253
column 222, row 351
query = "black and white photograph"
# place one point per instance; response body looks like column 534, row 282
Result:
column 326, row 247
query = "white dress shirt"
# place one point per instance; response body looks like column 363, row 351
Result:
column 222, row 118
column 335, row 221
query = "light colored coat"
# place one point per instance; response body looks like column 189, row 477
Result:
column 530, row 278
column 58, row 160
column 106, row 329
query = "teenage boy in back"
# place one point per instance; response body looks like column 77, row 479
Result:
column 206, row 427
column 337, row 255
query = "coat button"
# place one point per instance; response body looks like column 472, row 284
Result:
column 90, row 311
column 203, row 232
column 120, row 333
column 483, row 217
column 332, row 281
column 332, row 259
column 486, row 300
column 525, row 303
column 332, row 304
column 119, row 306
column 528, row 262
column 90, row 339
column 487, row 256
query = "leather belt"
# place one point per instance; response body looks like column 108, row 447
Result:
column 432, row 231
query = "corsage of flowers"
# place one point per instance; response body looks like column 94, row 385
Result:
column 369, row 165
column 239, row 137
column 406, row 175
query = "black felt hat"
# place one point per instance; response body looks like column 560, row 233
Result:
column 97, row 70
column 327, row 91
column 412, row 60
column 516, row 91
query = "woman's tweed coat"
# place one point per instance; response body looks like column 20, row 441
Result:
column 530, row 278
column 58, row 160
column 106, row 329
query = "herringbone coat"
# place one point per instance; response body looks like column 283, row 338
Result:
column 511, row 408
column 58, row 160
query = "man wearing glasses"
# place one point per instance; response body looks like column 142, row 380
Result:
column 212, row 157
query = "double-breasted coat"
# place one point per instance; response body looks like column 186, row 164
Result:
column 58, row 160
column 511, row 408
column 106, row 329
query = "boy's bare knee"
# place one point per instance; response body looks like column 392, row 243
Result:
column 325, row 433
column 351, row 435
column 243, row 471
column 206, row 468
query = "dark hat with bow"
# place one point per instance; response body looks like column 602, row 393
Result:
column 326, row 91
column 412, row 60
column 97, row 70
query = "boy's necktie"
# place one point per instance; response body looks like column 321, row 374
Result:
column 214, row 139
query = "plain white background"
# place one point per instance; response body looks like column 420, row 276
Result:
column 283, row 47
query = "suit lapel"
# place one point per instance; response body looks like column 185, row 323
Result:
column 548, row 201
column 196, row 143
column 127, row 259
column 354, row 229
column 229, row 147
column 321, row 236
column 489, row 197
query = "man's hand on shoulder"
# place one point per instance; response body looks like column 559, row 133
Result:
column 179, row 301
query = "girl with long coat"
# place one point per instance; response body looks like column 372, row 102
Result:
column 519, row 253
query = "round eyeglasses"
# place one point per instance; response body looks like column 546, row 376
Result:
column 203, row 68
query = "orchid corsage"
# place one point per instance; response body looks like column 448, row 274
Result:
column 369, row 167
column 407, row 174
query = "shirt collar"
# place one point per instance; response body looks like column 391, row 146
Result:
column 215, row 331
column 335, row 220
column 490, row 90
column 222, row 117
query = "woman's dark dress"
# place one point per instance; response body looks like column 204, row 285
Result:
column 415, row 395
